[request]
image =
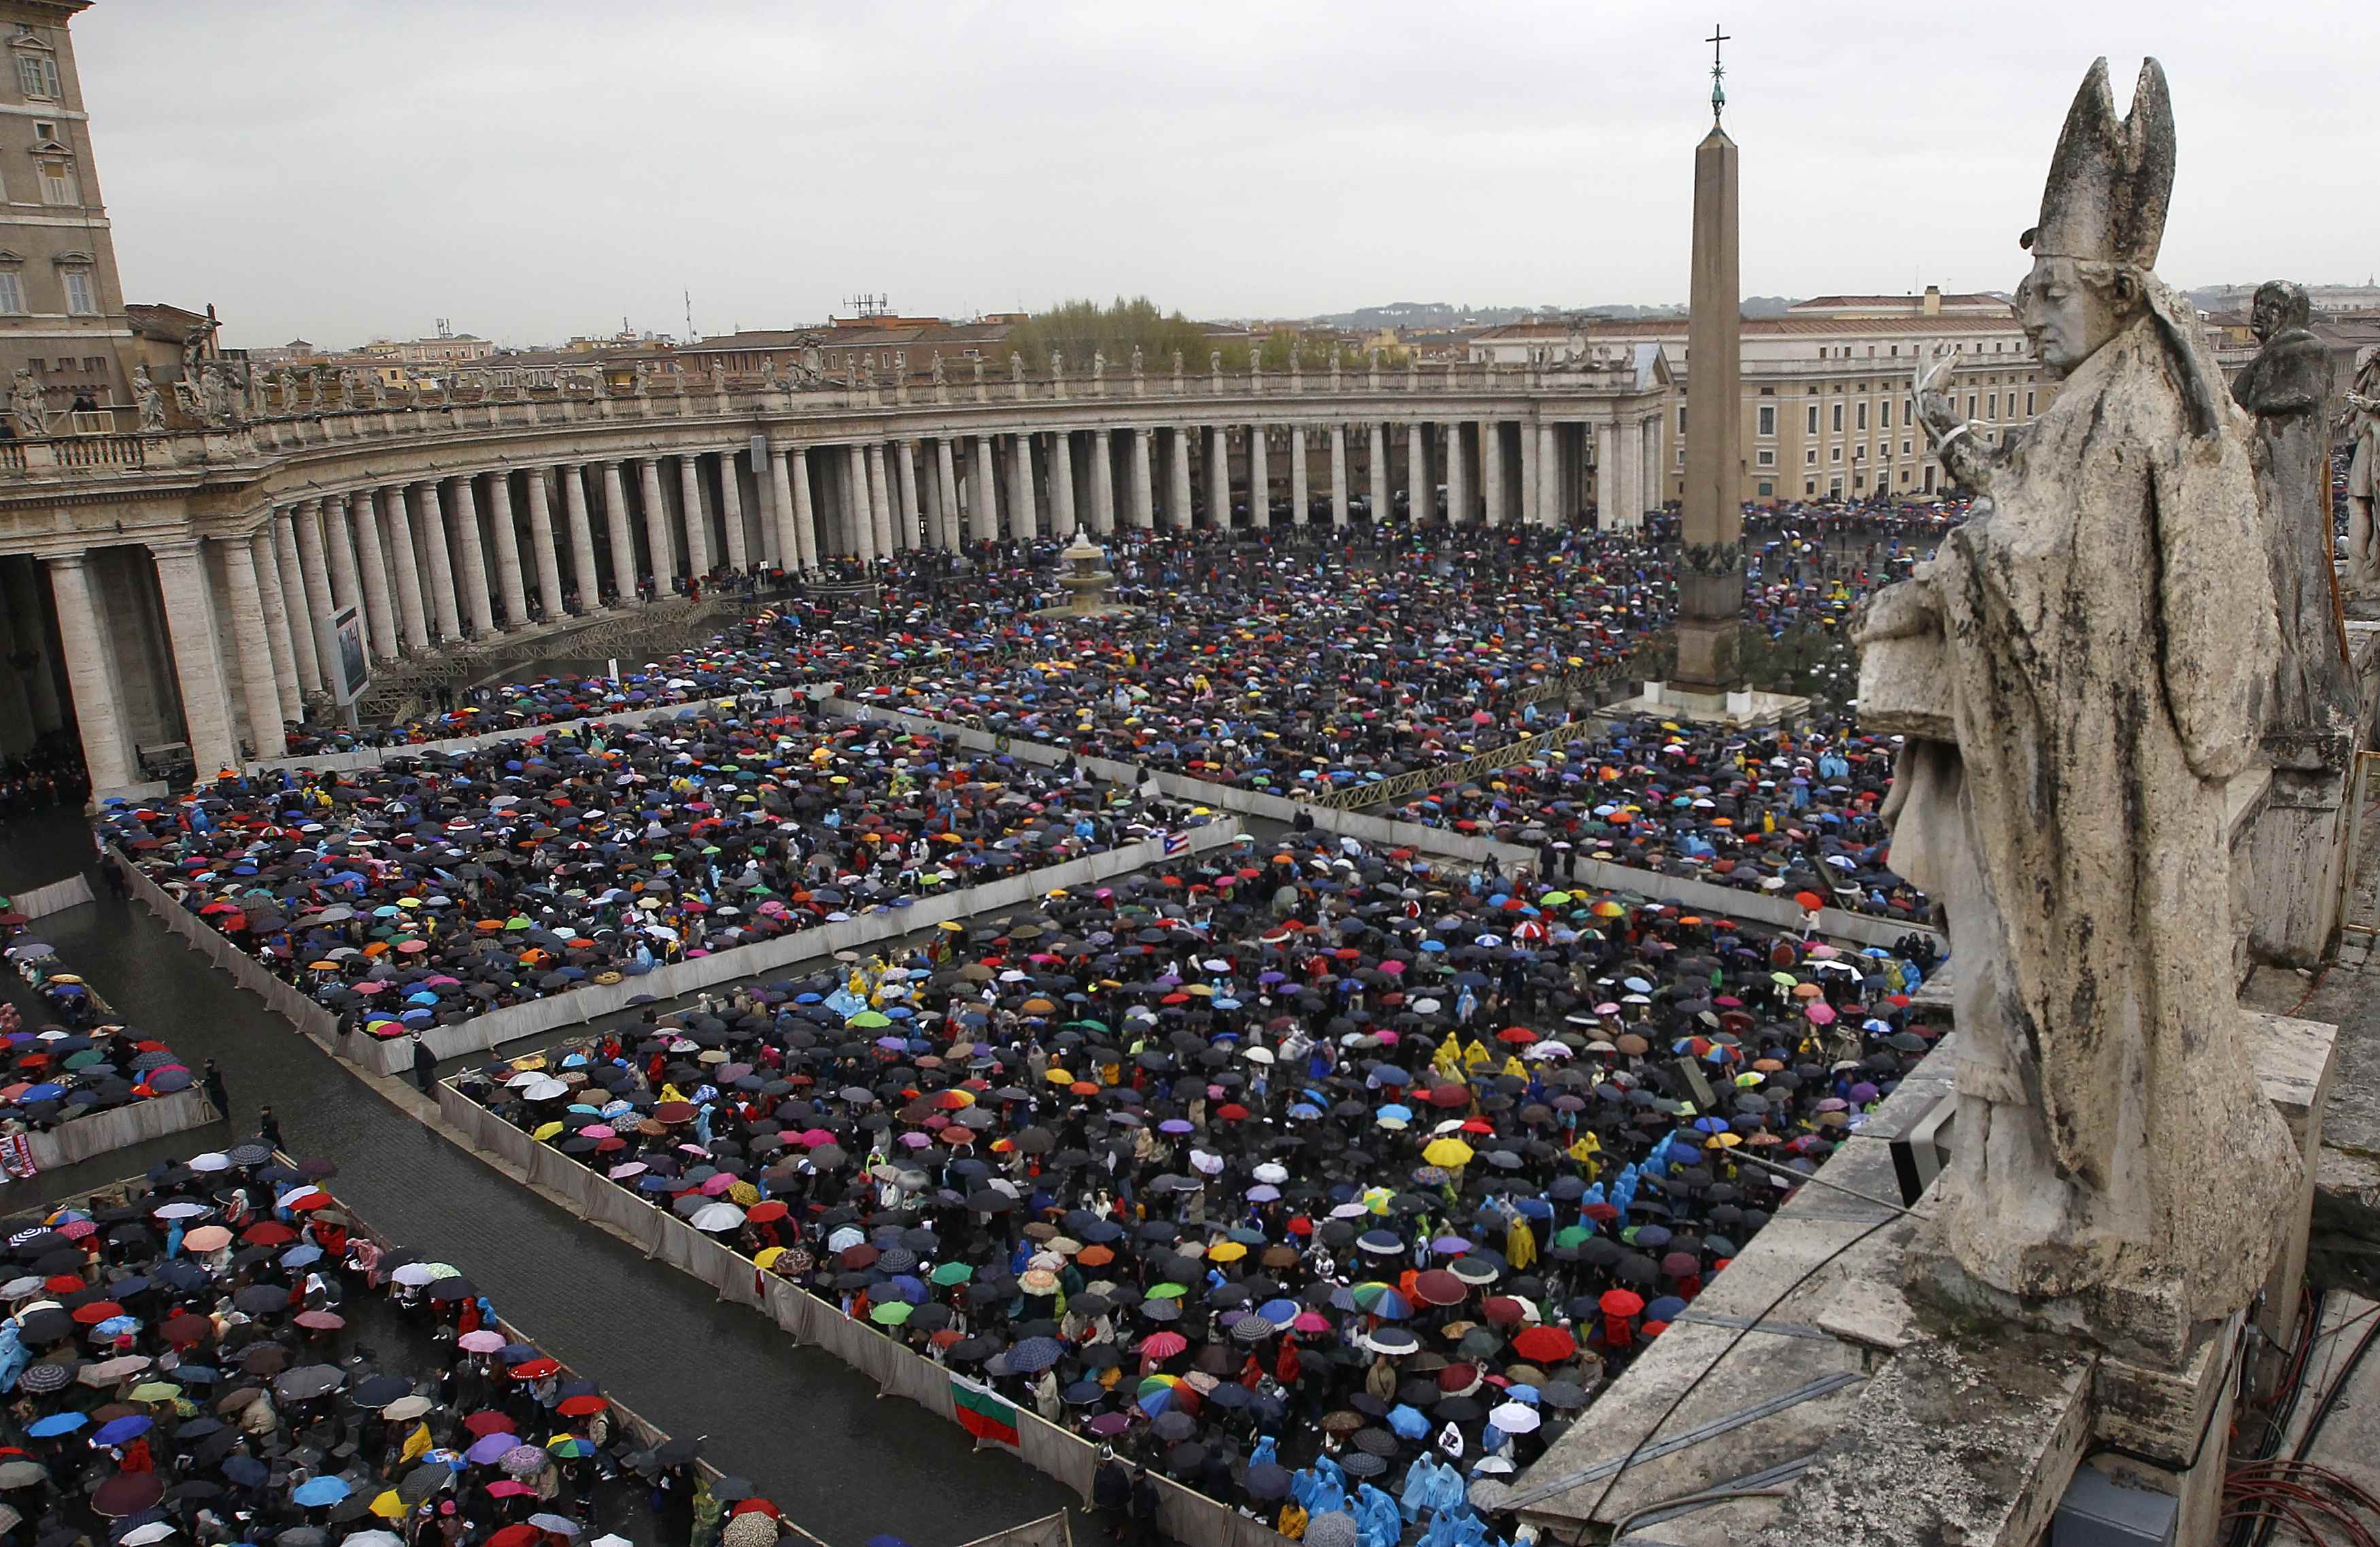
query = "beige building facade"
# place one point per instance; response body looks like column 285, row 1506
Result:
column 61, row 314
column 1824, row 399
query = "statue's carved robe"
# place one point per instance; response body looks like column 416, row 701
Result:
column 2105, row 635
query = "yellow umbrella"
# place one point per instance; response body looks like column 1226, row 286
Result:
column 1059, row 1076
column 388, row 1507
column 1226, row 1251
column 546, row 1131
column 1448, row 1151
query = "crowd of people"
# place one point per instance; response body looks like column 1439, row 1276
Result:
column 76, row 1062
column 1283, row 659
column 1331, row 1182
column 216, row 1353
column 426, row 889
column 1790, row 813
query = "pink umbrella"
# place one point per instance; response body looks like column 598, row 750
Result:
column 1821, row 1013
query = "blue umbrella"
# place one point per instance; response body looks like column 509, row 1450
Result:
column 317, row 1492
column 57, row 1424
column 123, row 1431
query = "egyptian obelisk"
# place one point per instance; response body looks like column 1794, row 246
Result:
column 1710, row 567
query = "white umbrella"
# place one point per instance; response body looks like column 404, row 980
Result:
column 718, row 1216
column 1514, row 1417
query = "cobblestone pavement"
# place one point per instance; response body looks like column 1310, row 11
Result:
column 811, row 1433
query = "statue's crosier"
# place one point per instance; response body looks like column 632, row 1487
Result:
column 2077, row 674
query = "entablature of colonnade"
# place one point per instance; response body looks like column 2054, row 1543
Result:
column 59, row 495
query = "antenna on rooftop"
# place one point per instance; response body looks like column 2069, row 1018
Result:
column 866, row 305
column 690, row 314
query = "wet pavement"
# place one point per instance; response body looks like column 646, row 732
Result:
column 809, row 1431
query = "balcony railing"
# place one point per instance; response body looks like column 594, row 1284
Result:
column 277, row 417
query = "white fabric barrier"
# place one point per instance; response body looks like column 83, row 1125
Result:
column 372, row 756
column 40, row 902
column 1181, row 786
column 517, row 1022
column 1700, row 896
column 1186, row 1516
column 309, row 1019
column 82, row 1138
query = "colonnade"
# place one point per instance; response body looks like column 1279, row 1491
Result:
column 240, row 606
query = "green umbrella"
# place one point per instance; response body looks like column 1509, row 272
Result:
column 891, row 1313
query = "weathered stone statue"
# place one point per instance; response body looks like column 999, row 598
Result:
column 2311, row 709
column 148, row 401
column 1017, row 370
column 1135, row 360
column 2077, row 672
column 221, row 402
column 1099, row 369
column 603, row 383
column 640, row 383
column 937, row 367
column 285, row 389
column 814, row 360
column 26, row 407
column 1057, row 366
column 2363, row 476
column 718, row 379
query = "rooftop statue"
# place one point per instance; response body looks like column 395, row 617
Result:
column 2078, row 673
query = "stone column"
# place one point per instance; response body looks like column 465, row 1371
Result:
column 1338, row 475
column 1219, row 480
column 731, row 514
column 697, row 525
column 206, row 705
column 1103, row 507
column 1606, row 476
column 380, row 613
column 339, row 547
column 1548, row 511
column 582, row 536
column 443, row 598
column 946, row 497
column 510, row 582
column 266, row 560
column 407, row 566
column 1024, row 501
column 1458, row 491
column 1491, row 470
column 617, row 531
column 99, row 717
column 318, row 578
column 905, row 496
column 540, row 538
column 1177, row 499
column 1144, row 497
column 859, row 533
column 805, row 532
column 1259, row 479
column 1299, row 489
column 249, row 637
column 471, row 558
column 1657, row 480
column 1421, row 496
column 657, row 534
column 1061, row 484
column 776, row 488
column 880, row 501
column 1383, row 502
column 983, row 495
column 1530, row 475
column 300, row 606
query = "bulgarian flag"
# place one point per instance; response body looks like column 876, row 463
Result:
column 984, row 1413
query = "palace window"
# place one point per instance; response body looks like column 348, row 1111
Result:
column 82, row 298
column 12, row 293
column 1860, row 416
column 1768, row 419
column 58, row 185
column 1839, row 418
column 37, row 76
column 1766, row 458
column 1813, row 418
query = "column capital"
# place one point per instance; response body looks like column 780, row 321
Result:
column 309, row 502
column 567, row 467
column 172, row 547
column 64, row 561
column 335, row 499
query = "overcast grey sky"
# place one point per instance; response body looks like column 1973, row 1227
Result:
column 536, row 168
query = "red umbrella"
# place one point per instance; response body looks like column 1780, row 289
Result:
column 1163, row 1345
column 1439, row 1287
column 1504, row 1310
column 489, row 1422
column 1545, row 1345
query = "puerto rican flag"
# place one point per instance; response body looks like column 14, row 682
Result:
column 1177, row 842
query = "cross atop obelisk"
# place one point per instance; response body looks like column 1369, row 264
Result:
column 1711, row 564
column 1719, row 72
